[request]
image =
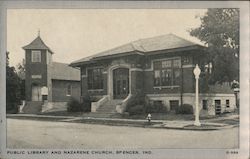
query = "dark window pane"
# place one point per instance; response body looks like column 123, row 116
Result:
column 227, row 103
column 157, row 78
column 204, row 104
column 166, row 76
column 157, row 65
column 95, row 78
column 177, row 77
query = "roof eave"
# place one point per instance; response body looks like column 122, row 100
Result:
column 119, row 55
column 186, row 48
column 78, row 64
column 25, row 48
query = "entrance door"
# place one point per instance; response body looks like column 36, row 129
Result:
column 120, row 83
column 36, row 93
column 217, row 107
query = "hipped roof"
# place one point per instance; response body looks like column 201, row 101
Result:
column 37, row 44
column 142, row 46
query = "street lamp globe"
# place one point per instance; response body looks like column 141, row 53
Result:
column 197, row 71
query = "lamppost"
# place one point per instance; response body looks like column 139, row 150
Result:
column 197, row 72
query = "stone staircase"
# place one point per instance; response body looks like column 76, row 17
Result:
column 54, row 106
column 109, row 107
column 32, row 107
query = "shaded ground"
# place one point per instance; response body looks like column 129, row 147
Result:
column 45, row 134
column 155, row 116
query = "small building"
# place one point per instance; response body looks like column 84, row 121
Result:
column 160, row 67
column 48, row 84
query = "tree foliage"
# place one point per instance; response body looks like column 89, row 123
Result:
column 219, row 30
column 21, row 74
column 13, row 87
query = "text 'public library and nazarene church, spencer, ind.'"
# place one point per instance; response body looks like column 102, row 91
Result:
column 161, row 67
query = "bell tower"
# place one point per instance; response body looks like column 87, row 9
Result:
column 38, row 57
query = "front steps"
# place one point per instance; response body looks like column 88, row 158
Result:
column 54, row 106
column 109, row 107
column 32, row 107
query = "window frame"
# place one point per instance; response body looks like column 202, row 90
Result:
column 205, row 106
column 101, row 82
column 35, row 59
column 69, row 87
column 227, row 103
column 172, row 69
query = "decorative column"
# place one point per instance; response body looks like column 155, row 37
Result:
column 197, row 72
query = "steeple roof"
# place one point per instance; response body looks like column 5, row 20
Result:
column 37, row 44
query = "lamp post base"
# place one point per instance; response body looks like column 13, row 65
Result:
column 197, row 123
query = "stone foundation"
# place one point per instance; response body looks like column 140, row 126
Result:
column 189, row 98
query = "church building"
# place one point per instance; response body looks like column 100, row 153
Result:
column 48, row 84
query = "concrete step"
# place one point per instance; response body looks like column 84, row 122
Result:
column 109, row 107
column 33, row 107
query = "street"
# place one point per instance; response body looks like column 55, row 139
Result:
column 62, row 135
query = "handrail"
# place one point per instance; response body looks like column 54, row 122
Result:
column 96, row 105
column 120, row 108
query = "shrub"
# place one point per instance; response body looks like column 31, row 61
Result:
column 155, row 107
column 86, row 103
column 136, row 104
column 74, row 106
column 137, row 109
column 12, row 108
column 184, row 109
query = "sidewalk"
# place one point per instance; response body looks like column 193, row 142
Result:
column 208, row 124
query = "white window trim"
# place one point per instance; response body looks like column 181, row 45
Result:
column 32, row 56
column 164, row 59
column 90, row 68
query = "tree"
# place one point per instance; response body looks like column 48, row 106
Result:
column 12, row 87
column 219, row 30
column 21, row 74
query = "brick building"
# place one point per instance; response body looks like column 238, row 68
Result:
column 47, row 84
column 161, row 67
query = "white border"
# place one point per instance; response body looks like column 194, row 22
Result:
column 157, row 153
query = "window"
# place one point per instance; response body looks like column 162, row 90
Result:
column 174, row 104
column 186, row 60
column 95, row 78
column 69, row 90
column 167, row 72
column 204, row 104
column 36, row 56
column 227, row 103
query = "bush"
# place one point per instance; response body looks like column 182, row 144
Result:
column 86, row 103
column 155, row 107
column 136, row 104
column 184, row 109
column 12, row 108
column 74, row 106
column 137, row 109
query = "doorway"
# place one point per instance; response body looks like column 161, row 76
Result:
column 36, row 93
column 120, row 83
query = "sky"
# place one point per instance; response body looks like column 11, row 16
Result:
column 76, row 33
